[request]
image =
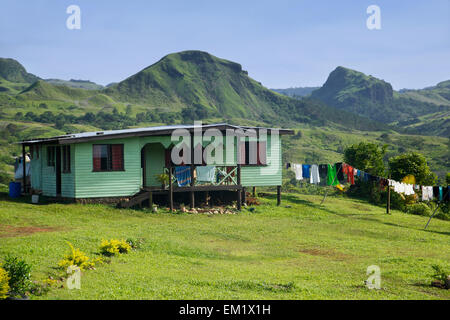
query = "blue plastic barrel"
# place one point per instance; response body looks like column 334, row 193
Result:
column 15, row 189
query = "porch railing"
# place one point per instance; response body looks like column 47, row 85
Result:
column 224, row 176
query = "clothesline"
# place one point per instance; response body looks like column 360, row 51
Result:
column 335, row 174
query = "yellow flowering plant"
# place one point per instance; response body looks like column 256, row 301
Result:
column 114, row 246
column 78, row 258
column 4, row 284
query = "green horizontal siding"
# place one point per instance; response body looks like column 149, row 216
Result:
column 269, row 175
column 89, row 184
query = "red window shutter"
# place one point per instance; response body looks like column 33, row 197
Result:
column 262, row 153
column 96, row 154
column 117, row 156
column 242, row 152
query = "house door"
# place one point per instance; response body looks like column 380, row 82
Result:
column 58, row 170
column 153, row 162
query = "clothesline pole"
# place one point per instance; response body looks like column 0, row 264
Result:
column 432, row 214
column 435, row 210
column 388, row 205
column 326, row 191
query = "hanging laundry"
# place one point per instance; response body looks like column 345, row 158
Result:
column 340, row 172
column 447, row 195
column 206, row 173
column 314, row 176
column 288, row 165
column 332, row 176
column 366, row 177
column 323, row 169
column 350, row 172
column 436, row 192
column 306, row 168
column 383, row 183
column 409, row 189
column 441, row 194
column 297, row 168
column 427, row 193
column 183, row 175
column 425, row 196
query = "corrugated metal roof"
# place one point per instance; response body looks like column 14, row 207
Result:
column 141, row 131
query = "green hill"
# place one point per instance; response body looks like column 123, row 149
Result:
column 375, row 99
column 43, row 90
column 80, row 84
column 196, row 79
column 13, row 71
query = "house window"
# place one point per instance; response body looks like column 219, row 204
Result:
column 108, row 157
column 66, row 159
column 51, row 156
column 245, row 153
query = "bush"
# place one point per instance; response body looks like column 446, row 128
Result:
column 113, row 247
column 4, row 284
column 441, row 275
column 79, row 259
column 420, row 209
column 19, row 273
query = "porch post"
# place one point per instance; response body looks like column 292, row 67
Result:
column 278, row 195
column 24, row 167
column 170, row 189
column 239, row 193
column 192, row 196
column 244, row 196
column 254, row 192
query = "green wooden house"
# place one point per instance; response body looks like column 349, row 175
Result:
column 124, row 165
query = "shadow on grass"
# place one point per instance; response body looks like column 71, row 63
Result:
column 358, row 216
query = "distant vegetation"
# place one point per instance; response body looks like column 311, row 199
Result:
column 296, row 92
column 81, row 84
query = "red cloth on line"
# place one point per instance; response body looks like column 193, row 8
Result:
column 350, row 172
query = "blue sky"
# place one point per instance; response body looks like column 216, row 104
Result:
column 280, row 43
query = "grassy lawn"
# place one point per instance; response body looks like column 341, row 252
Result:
column 305, row 251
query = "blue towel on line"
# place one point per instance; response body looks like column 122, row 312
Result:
column 183, row 175
column 305, row 170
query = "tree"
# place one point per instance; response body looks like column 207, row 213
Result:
column 367, row 157
column 128, row 110
column 447, row 178
column 412, row 163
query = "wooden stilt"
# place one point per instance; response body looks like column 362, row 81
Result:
column 254, row 191
column 150, row 200
column 278, row 195
column 207, row 198
column 244, row 196
column 239, row 193
column 192, row 196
